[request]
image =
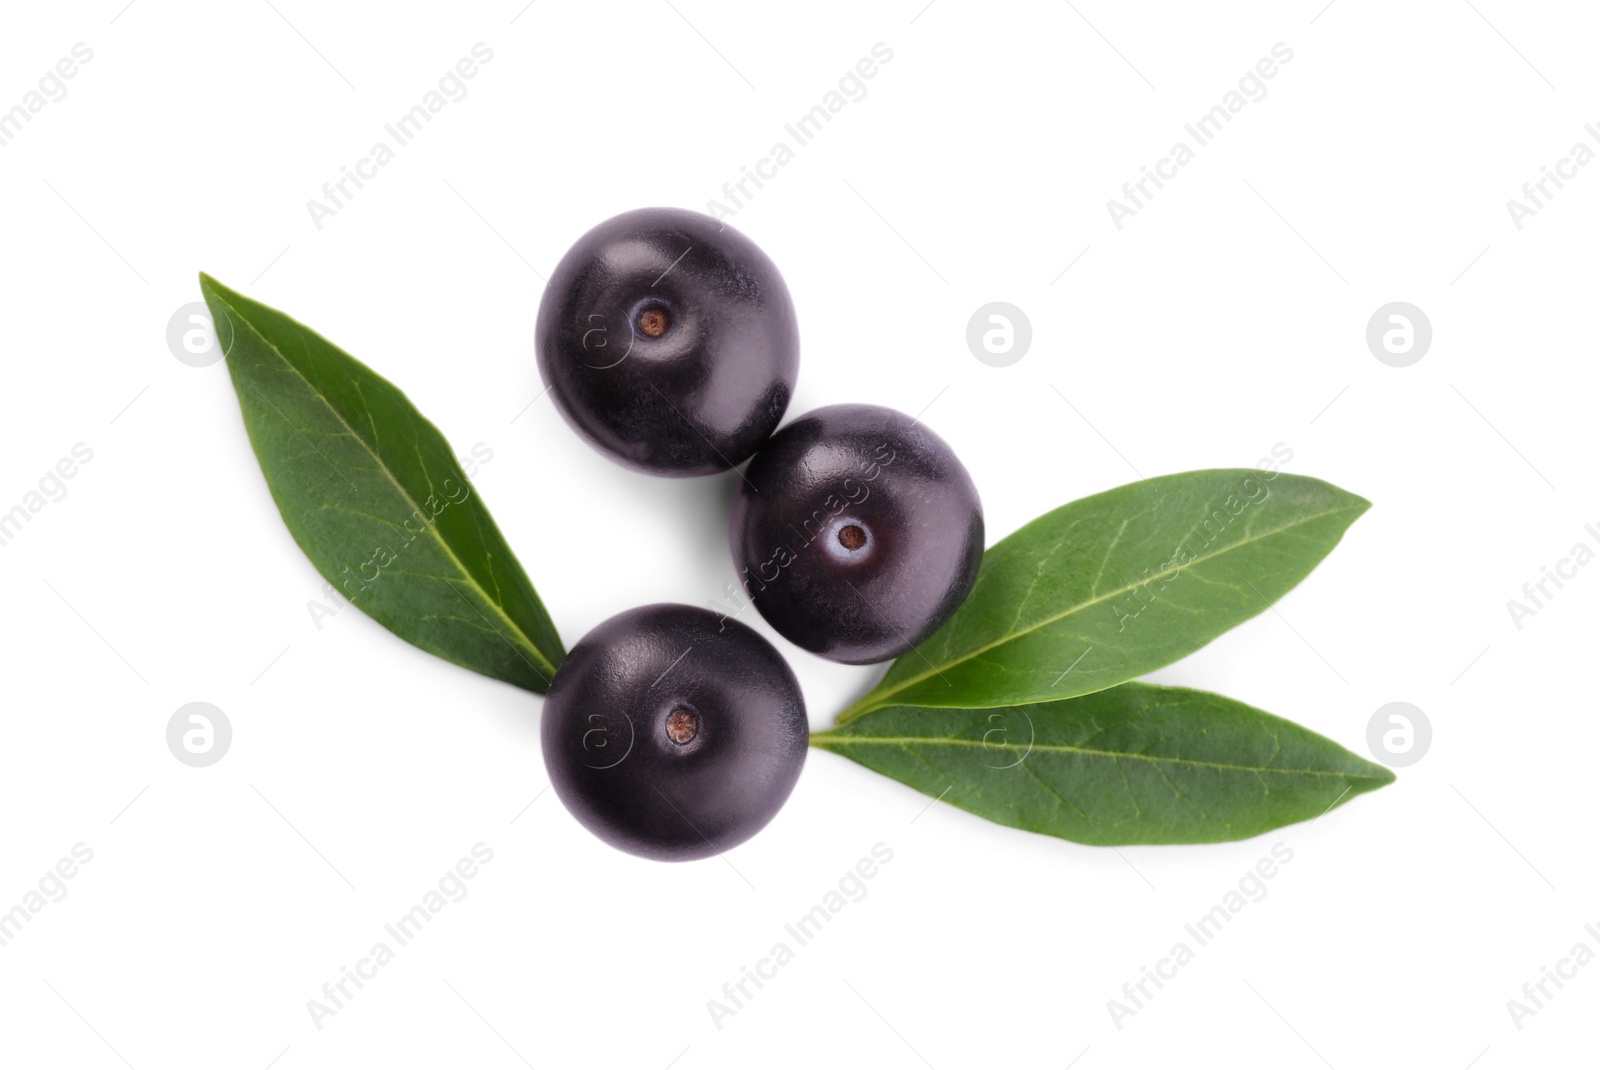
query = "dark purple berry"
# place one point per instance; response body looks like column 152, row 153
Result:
column 856, row 532
column 668, row 342
column 672, row 733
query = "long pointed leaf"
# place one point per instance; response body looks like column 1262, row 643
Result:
column 374, row 496
column 1108, row 588
column 1132, row 764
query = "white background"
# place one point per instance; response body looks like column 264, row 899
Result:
column 1227, row 317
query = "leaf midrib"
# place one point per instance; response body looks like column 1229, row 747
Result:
column 825, row 739
column 522, row 637
column 876, row 699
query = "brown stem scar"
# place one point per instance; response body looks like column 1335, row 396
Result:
column 682, row 726
column 653, row 322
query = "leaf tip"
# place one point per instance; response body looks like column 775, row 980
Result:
column 1371, row 777
column 211, row 290
column 214, row 293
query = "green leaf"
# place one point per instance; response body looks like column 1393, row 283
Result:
column 373, row 494
column 1113, row 586
column 1131, row 764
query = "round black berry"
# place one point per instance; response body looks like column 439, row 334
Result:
column 673, row 733
column 668, row 342
column 857, row 532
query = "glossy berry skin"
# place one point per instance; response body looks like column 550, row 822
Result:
column 857, row 532
column 672, row 733
column 668, row 342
